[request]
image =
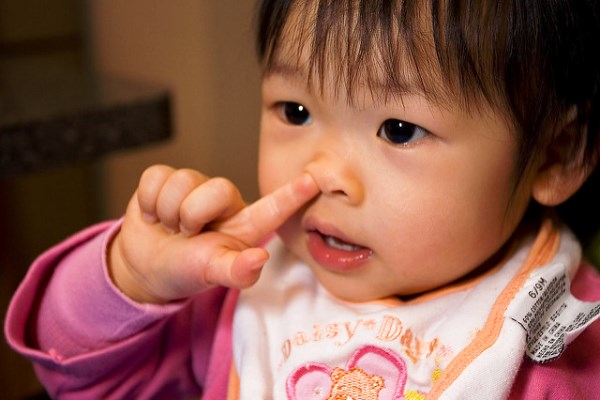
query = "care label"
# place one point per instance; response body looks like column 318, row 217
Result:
column 549, row 313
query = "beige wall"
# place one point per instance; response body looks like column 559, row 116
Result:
column 202, row 50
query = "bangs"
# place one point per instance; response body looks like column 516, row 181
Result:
column 389, row 47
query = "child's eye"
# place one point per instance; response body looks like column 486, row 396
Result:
column 295, row 113
column 396, row 131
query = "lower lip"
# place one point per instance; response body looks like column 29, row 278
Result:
column 334, row 259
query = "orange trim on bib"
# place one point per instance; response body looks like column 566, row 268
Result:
column 543, row 250
column 233, row 385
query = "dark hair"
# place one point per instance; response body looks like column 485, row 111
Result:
column 535, row 60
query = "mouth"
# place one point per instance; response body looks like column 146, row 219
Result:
column 333, row 251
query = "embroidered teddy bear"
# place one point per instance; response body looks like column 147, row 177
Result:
column 354, row 384
column 380, row 374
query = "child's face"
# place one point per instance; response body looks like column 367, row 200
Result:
column 413, row 195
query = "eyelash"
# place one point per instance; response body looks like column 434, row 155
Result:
column 405, row 132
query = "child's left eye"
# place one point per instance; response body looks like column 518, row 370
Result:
column 294, row 113
column 397, row 131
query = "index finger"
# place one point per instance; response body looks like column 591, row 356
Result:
column 268, row 213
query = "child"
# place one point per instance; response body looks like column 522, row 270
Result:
column 410, row 155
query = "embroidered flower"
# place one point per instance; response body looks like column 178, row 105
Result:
column 372, row 373
column 414, row 395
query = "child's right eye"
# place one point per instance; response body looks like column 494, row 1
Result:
column 295, row 113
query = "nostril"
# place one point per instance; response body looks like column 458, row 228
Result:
column 338, row 192
column 343, row 187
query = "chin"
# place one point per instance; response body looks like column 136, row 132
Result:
column 347, row 293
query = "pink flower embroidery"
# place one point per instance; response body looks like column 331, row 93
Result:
column 371, row 373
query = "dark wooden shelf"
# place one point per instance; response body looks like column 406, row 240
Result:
column 55, row 112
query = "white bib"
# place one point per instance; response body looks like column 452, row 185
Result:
column 293, row 340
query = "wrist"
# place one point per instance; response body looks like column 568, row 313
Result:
column 125, row 278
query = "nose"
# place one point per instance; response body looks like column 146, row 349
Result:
column 336, row 176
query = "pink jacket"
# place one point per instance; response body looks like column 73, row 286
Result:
column 87, row 341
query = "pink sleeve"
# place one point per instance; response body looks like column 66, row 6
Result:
column 89, row 341
column 575, row 375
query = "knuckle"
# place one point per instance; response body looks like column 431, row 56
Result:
column 188, row 212
column 184, row 178
column 272, row 206
column 213, row 271
column 157, row 171
column 152, row 179
column 224, row 187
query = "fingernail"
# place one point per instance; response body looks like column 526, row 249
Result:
column 308, row 181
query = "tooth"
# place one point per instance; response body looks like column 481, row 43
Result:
column 338, row 244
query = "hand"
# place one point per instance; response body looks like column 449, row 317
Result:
column 183, row 233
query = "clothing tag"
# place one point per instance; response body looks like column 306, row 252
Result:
column 549, row 313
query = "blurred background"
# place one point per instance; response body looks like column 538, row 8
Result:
column 200, row 52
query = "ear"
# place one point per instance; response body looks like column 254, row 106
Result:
column 563, row 169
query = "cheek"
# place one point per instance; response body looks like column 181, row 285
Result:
column 477, row 218
column 265, row 179
column 281, row 158
column 450, row 210
column 275, row 167
column 268, row 167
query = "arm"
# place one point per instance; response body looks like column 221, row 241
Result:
column 84, row 348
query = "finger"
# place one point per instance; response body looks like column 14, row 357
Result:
column 210, row 259
column 172, row 194
column 218, row 198
column 246, row 269
column 151, row 182
column 236, row 269
column 265, row 215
